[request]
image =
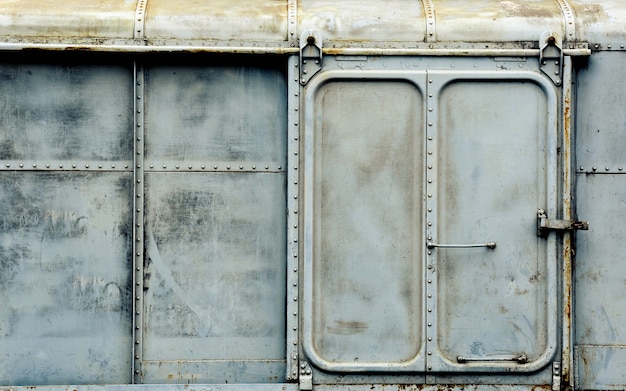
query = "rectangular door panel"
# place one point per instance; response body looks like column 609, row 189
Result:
column 493, row 167
column 363, row 306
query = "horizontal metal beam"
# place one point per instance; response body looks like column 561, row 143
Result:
column 371, row 51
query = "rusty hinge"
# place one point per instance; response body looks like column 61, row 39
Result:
column 310, row 55
column 545, row 225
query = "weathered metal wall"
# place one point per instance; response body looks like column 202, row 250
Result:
column 600, row 331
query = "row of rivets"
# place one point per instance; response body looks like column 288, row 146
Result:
column 292, row 7
column 65, row 166
column 140, row 17
column 293, row 145
column 138, row 244
column 429, row 11
column 607, row 169
column 273, row 167
column 609, row 46
column 431, row 172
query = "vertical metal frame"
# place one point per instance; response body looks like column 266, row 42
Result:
column 567, row 126
column 138, row 223
column 292, row 261
column 437, row 81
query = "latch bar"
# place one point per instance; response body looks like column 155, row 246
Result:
column 545, row 225
column 522, row 358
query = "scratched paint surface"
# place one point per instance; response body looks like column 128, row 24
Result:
column 65, row 286
column 492, row 157
column 215, row 268
column 88, row 117
column 366, row 276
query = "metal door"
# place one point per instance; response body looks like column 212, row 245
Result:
column 421, row 199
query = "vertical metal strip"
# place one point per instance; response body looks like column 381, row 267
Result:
column 568, row 167
column 292, row 28
column 569, row 20
column 429, row 12
column 293, row 159
column 138, row 223
column 431, row 219
column 140, row 20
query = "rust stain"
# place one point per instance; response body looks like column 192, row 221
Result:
column 348, row 327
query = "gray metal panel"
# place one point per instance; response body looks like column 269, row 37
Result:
column 214, row 285
column 602, row 22
column 217, row 113
column 600, row 272
column 67, row 18
column 65, row 243
column 363, row 239
column 601, row 118
column 493, row 146
column 496, row 21
column 362, row 21
column 600, row 367
column 252, row 20
column 65, row 111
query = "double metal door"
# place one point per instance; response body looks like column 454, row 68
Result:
column 421, row 196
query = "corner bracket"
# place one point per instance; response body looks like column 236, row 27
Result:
column 310, row 55
column 551, row 56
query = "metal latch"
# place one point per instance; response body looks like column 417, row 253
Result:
column 310, row 55
column 556, row 376
column 545, row 225
column 551, row 56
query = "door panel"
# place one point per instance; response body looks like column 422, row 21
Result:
column 493, row 167
column 363, row 294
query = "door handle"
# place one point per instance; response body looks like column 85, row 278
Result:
column 432, row 245
column 522, row 358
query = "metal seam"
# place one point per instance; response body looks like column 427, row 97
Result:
column 292, row 27
column 138, row 224
column 140, row 19
column 569, row 20
column 429, row 11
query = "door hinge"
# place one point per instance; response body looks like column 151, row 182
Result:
column 556, row 376
column 545, row 225
column 310, row 55
column 306, row 377
column 551, row 56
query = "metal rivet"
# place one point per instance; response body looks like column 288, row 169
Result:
column 9, row 165
column 430, row 353
column 608, row 46
column 430, row 296
column 34, row 166
column 267, row 167
column 430, row 281
column 594, row 168
column 430, row 253
column 21, row 165
column 430, row 368
column 430, row 195
column 241, row 167
column 582, row 168
column 164, row 166
column 430, row 325
column 202, row 166
column 430, row 224
column 620, row 168
column 430, row 109
column 430, row 124
column 430, row 268
column 47, row 166
column 228, row 167
column 430, row 95
column 254, row 167
column 189, row 166
column 430, row 181
column 430, row 167
column 215, row 167
column 295, row 270
column 177, row 166
column 607, row 168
